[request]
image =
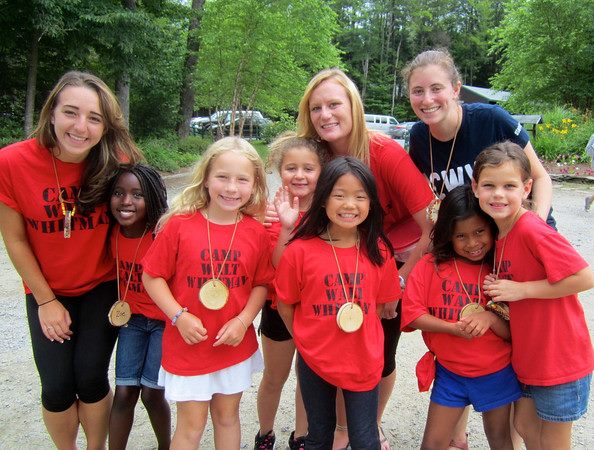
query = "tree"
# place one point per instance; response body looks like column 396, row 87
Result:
column 546, row 52
column 261, row 54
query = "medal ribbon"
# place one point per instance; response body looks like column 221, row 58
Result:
column 68, row 213
column 210, row 246
column 133, row 262
column 478, row 282
column 458, row 124
column 340, row 271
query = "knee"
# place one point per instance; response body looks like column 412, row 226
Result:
column 274, row 380
column 91, row 389
column 224, row 419
column 125, row 398
column 152, row 397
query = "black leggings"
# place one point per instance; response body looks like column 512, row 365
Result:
column 76, row 369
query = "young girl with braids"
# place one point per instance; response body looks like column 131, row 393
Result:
column 469, row 354
column 137, row 198
column 208, row 270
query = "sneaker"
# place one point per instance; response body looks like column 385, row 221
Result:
column 296, row 444
column 265, row 442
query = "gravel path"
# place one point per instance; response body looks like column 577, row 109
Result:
column 404, row 420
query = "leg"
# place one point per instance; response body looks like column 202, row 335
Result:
column 122, row 416
column 62, row 427
column 555, row 435
column 361, row 410
column 54, row 363
column 440, row 423
column 159, row 414
column 392, row 333
column 94, row 418
column 527, row 423
column 459, row 435
column 341, row 432
column 94, row 346
column 278, row 358
column 497, row 429
column 224, row 411
column 300, row 416
column 191, row 420
column 319, row 398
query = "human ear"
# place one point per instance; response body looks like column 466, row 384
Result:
column 527, row 188
column 474, row 187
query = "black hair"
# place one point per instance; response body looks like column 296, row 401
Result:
column 153, row 190
column 459, row 204
column 315, row 221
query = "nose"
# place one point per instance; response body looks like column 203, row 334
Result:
column 300, row 173
column 325, row 112
column 231, row 185
column 127, row 199
column 80, row 123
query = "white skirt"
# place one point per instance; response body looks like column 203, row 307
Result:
column 230, row 380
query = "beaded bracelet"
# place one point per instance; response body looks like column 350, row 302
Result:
column 49, row 301
column 177, row 314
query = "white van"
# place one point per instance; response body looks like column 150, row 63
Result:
column 384, row 124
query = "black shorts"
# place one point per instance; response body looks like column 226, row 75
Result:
column 391, row 337
column 272, row 325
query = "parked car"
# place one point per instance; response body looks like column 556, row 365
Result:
column 403, row 129
column 384, row 124
column 253, row 124
column 198, row 125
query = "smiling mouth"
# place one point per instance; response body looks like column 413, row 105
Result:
column 76, row 138
column 329, row 125
column 430, row 110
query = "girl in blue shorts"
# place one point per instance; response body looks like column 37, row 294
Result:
column 137, row 199
column 469, row 354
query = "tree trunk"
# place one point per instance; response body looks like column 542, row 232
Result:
column 187, row 94
column 123, row 95
column 365, row 75
column 31, row 83
column 395, row 81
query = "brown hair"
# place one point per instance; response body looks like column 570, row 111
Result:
column 497, row 154
column 439, row 57
column 116, row 144
column 288, row 141
column 359, row 137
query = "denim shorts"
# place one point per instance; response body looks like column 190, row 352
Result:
column 560, row 403
column 484, row 393
column 138, row 356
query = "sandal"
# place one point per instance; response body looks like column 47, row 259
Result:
column 459, row 444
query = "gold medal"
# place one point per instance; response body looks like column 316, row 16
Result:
column 349, row 317
column 119, row 314
column 214, row 294
column 470, row 308
column 499, row 308
column 433, row 210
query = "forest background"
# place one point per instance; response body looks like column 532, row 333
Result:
column 170, row 60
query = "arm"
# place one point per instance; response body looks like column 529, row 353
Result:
column 234, row 330
column 287, row 312
column 53, row 317
column 477, row 325
column 542, row 187
column 427, row 322
column 189, row 326
column 511, row 291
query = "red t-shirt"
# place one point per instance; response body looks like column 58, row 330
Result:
column 440, row 293
column 550, row 339
column 28, row 185
column 131, row 268
column 307, row 276
column 402, row 190
column 180, row 255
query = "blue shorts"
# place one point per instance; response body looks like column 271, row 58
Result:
column 484, row 393
column 560, row 403
column 138, row 356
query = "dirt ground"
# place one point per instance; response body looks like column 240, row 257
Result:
column 404, row 420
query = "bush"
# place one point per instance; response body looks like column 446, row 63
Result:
column 272, row 130
column 170, row 153
column 563, row 135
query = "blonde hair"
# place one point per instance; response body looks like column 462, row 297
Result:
column 439, row 57
column 288, row 141
column 359, row 138
column 116, row 144
column 195, row 196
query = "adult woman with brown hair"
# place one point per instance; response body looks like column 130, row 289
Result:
column 54, row 224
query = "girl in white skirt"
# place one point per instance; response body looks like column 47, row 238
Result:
column 207, row 270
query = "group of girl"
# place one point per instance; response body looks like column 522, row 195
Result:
column 352, row 217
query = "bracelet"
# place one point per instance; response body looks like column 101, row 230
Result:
column 242, row 322
column 177, row 314
column 340, row 427
column 45, row 303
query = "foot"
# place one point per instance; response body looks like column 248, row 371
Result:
column 341, row 438
column 384, row 444
column 265, row 442
column 296, row 443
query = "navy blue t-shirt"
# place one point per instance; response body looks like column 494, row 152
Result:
column 482, row 125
